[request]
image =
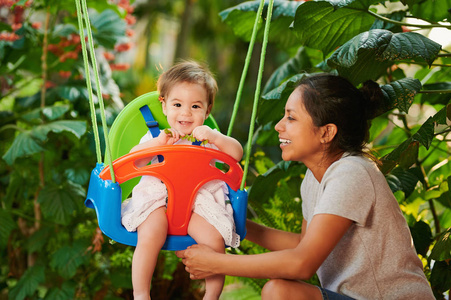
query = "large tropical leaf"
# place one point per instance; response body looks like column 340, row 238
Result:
column 298, row 64
column 400, row 94
column 30, row 142
column 442, row 249
column 266, row 184
column 67, row 291
column 241, row 19
column 430, row 10
column 8, row 225
column 28, row 283
column 24, row 144
column 369, row 54
column 437, row 98
column 422, row 237
column 272, row 103
column 326, row 25
column 67, row 259
column 424, row 136
column 108, row 28
column 403, row 180
column 59, row 202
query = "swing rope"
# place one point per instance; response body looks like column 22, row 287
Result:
column 245, row 68
column 84, row 16
column 257, row 91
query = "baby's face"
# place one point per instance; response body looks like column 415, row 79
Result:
column 186, row 106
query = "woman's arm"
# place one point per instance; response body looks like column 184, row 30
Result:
column 273, row 239
column 323, row 234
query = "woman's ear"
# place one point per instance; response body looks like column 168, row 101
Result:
column 328, row 132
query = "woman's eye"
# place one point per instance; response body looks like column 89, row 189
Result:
column 290, row 118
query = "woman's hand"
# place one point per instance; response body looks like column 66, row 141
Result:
column 198, row 260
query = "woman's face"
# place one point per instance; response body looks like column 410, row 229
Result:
column 299, row 139
column 186, row 106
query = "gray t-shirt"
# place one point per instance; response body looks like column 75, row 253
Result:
column 376, row 258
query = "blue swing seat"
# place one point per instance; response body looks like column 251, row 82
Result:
column 106, row 197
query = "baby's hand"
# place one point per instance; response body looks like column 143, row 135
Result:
column 203, row 133
column 169, row 136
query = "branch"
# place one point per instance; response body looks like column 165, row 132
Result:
column 435, row 92
column 377, row 16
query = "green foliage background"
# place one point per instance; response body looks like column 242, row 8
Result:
column 49, row 242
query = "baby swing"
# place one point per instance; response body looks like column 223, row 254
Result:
column 111, row 184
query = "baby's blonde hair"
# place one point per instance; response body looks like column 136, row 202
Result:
column 188, row 71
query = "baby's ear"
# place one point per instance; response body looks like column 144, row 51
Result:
column 163, row 106
column 208, row 110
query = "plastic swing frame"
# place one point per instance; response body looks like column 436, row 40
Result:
column 106, row 197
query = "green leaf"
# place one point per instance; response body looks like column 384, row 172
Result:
column 77, row 128
column 28, row 283
column 272, row 104
column 64, row 30
column 71, row 93
column 265, row 185
column 437, row 98
column 422, row 237
column 60, row 202
column 67, row 259
column 30, row 142
column 241, row 19
column 8, row 225
column 432, row 11
column 403, row 180
column 325, row 25
column 108, row 28
column 298, row 64
column 442, row 249
column 78, row 175
column 24, row 145
column 400, row 94
column 54, row 112
column 369, row 54
column 39, row 239
column 440, row 278
column 425, row 134
column 67, row 291
column 395, row 16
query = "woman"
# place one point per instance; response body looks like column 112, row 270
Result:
column 354, row 235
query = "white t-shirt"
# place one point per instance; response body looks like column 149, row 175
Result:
column 376, row 258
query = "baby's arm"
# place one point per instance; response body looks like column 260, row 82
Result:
column 224, row 143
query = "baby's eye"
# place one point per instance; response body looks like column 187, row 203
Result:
column 196, row 106
column 177, row 105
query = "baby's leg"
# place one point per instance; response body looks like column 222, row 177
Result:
column 151, row 237
column 205, row 233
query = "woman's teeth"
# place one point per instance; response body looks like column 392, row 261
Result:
column 283, row 141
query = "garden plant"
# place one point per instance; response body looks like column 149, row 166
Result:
column 50, row 245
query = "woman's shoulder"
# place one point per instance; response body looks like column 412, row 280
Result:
column 353, row 167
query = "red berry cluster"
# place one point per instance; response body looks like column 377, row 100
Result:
column 13, row 17
column 123, row 47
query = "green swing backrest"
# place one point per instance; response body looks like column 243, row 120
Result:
column 129, row 127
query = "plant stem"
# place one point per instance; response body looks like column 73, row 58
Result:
column 435, row 92
column 377, row 16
